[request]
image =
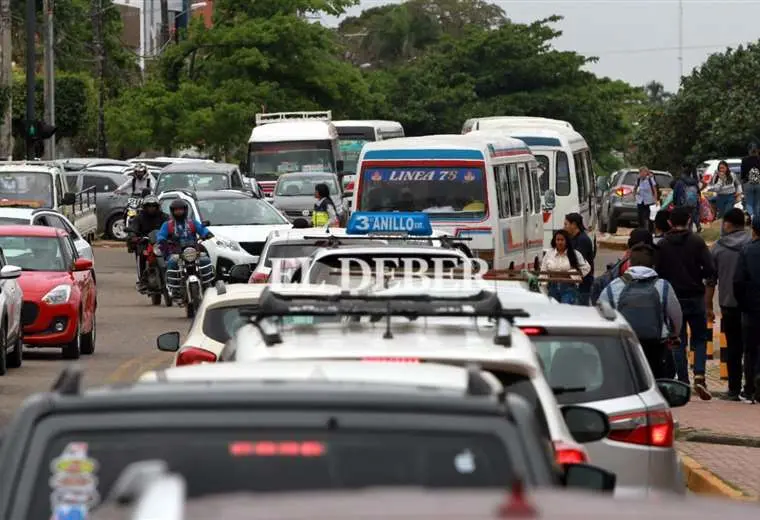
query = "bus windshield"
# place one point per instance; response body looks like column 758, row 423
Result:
column 269, row 160
column 441, row 192
column 350, row 150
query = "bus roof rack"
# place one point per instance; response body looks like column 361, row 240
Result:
column 278, row 117
column 69, row 381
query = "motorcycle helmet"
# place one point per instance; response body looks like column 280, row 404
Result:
column 140, row 170
column 151, row 200
column 178, row 204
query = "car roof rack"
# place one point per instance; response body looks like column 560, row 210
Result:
column 446, row 241
column 151, row 490
column 69, row 381
column 483, row 304
column 277, row 117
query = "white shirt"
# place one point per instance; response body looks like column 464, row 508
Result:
column 555, row 261
column 146, row 182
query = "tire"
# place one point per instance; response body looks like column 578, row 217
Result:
column 87, row 341
column 167, row 299
column 612, row 226
column 602, row 225
column 73, row 349
column 115, row 227
column 3, row 352
column 155, row 299
column 16, row 358
column 190, row 310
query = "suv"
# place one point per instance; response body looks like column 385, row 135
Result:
column 618, row 202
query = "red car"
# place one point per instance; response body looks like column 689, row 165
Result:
column 59, row 289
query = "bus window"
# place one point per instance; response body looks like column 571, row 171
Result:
column 590, row 172
column 580, row 176
column 514, row 190
column 536, row 193
column 528, row 191
column 562, row 182
column 543, row 172
column 502, row 191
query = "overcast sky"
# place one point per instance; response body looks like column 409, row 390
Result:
column 637, row 40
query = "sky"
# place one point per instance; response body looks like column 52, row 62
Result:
column 636, row 40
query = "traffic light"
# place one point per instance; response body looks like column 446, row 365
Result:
column 39, row 130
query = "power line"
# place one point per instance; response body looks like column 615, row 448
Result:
column 660, row 49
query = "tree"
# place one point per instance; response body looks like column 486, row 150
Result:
column 656, row 94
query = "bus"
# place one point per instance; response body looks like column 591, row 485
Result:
column 285, row 142
column 481, row 185
column 353, row 135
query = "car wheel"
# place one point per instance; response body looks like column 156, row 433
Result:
column 15, row 358
column 87, row 342
column 168, row 299
column 116, row 228
column 190, row 310
column 73, row 349
column 613, row 225
column 3, row 352
column 155, row 299
column 602, row 225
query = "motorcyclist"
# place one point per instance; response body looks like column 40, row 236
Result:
column 149, row 219
column 140, row 180
column 180, row 231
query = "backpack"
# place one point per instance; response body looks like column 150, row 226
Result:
column 754, row 176
column 173, row 226
column 602, row 281
column 641, row 305
column 691, row 196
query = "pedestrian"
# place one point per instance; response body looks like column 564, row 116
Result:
column 581, row 243
column 747, row 294
column 750, row 177
column 684, row 260
column 650, row 306
column 661, row 225
column 686, row 194
column 727, row 188
column 616, row 269
column 562, row 257
column 725, row 254
column 325, row 213
column 647, row 195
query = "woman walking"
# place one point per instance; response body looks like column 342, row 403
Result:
column 727, row 188
column 562, row 257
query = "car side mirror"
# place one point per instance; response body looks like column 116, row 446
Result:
column 550, row 200
column 9, row 272
column 586, row 424
column 240, row 273
column 168, row 342
column 68, row 199
column 82, row 264
column 602, row 183
column 676, row 393
column 586, row 476
column 339, row 165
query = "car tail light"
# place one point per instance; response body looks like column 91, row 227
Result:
column 623, row 191
column 391, row 360
column 644, row 428
column 259, row 278
column 547, row 216
column 533, row 331
column 194, row 356
column 276, row 449
column 568, row 454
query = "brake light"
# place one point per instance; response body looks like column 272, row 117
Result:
column 547, row 216
column 568, row 454
column 259, row 278
column 645, row 428
column 276, row 449
column 391, row 360
column 194, row 356
column 533, row 331
column 623, row 191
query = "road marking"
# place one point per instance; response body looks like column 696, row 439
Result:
column 122, row 371
column 131, row 369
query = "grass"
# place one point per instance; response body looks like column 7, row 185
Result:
column 711, row 232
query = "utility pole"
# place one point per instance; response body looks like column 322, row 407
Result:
column 49, row 58
column 100, row 58
column 31, row 50
column 680, row 40
column 6, row 80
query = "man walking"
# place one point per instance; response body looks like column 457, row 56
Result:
column 646, row 197
column 686, row 194
column 581, row 243
column 750, row 177
column 725, row 254
column 685, row 261
column 747, row 294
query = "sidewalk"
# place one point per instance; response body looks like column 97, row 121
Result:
column 722, row 436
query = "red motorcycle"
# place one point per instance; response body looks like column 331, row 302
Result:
column 154, row 281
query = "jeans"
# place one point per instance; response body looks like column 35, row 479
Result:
column 643, row 213
column 751, row 330
column 752, row 198
column 695, row 218
column 731, row 325
column 724, row 203
column 695, row 315
column 564, row 292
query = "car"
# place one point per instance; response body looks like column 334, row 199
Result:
column 618, row 204
column 71, row 446
column 74, row 164
column 110, row 206
column 50, row 218
column 294, row 193
column 162, row 162
column 60, row 297
column 199, row 176
column 706, row 170
column 11, row 304
column 450, row 335
column 592, row 357
column 240, row 224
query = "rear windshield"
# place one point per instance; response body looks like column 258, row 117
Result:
column 330, row 269
column 663, row 181
column 305, row 249
column 85, row 466
column 585, row 369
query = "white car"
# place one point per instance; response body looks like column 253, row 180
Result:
column 706, row 171
column 11, row 305
column 240, row 223
column 50, row 218
column 497, row 347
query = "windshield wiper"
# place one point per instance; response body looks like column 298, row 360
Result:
column 558, row 390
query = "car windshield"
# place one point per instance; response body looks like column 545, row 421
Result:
column 217, row 460
column 239, row 212
column 585, row 369
column 305, row 185
column 34, row 190
column 33, row 253
column 441, row 192
column 270, row 160
column 192, row 181
column 7, row 221
column 350, row 149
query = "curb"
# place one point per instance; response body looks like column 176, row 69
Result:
column 613, row 244
column 708, row 437
column 108, row 243
column 702, row 481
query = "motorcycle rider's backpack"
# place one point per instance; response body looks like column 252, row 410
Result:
column 641, row 305
column 691, row 196
column 173, row 227
column 134, row 183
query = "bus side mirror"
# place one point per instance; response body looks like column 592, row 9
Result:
column 549, row 199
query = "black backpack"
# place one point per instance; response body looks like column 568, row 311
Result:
column 602, row 281
column 641, row 305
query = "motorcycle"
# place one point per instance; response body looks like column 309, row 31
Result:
column 153, row 277
column 132, row 209
column 187, row 283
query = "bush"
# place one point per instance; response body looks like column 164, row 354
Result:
column 72, row 95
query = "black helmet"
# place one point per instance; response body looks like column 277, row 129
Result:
column 178, row 204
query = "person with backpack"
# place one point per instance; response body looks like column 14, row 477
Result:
column 647, row 195
column 685, row 262
column 649, row 304
column 140, row 180
column 686, row 194
column 616, row 269
column 750, row 177
column 747, row 294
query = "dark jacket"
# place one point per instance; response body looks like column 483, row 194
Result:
column 582, row 243
column 747, row 278
column 725, row 254
column 679, row 189
column 684, row 260
column 749, row 162
column 143, row 224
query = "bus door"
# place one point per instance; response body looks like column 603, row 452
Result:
column 509, row 247
column 582, row 184
column 534, row 219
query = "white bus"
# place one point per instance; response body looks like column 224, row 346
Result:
column 284, row 142
column 480, row 185
column 353, row 135
column 564, row 158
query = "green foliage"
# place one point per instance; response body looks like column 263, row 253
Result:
column 73, row 95
column 4, row 94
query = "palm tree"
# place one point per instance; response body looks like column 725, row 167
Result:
column 656, row 93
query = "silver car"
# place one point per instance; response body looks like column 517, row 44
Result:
column 294, row 193
column 109, row 206
column 592, row 357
